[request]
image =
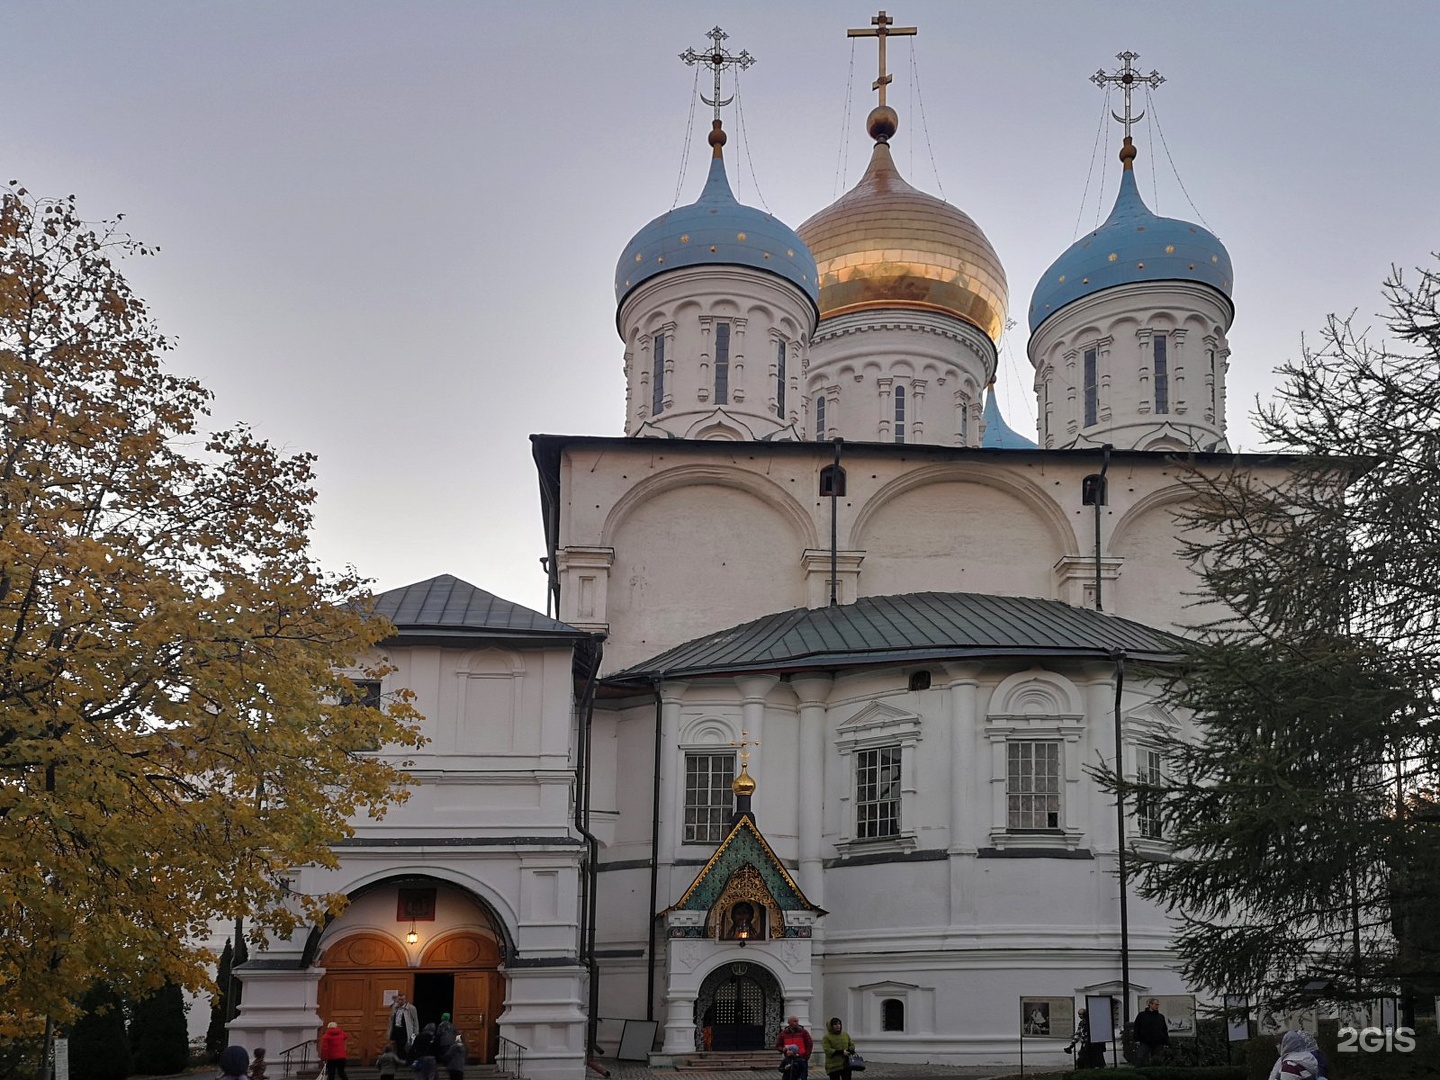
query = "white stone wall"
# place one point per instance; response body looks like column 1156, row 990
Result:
column 489, row 818
column 1120, row 324
column 857, row 361
column 739, row 535
column 945, row 917
column 762, row 310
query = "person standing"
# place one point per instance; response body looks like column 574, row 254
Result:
column 838, row 1046
column 404, row 1024
column 423, row 1053
column 796, row 1042
column 332, row 1051
column 389, row 1062
column 444, row 1034
column 1152, row 1033
column 455, row 1058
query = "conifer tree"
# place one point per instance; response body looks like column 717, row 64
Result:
column 1316, row 694
column 159, row 1037
column 219, row 1009
column 99, row 1048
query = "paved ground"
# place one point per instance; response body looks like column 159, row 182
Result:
column 631, row 1070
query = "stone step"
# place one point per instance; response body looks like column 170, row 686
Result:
column 726, row 1060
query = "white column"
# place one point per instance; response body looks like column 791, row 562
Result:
column 753, row 689
column 672, row 696
column 810, row 791
column 969, row 804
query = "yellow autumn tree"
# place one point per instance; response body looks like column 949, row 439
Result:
column 177, row 728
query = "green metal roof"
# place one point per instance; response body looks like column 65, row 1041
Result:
column 910, row 627
column 446, row 607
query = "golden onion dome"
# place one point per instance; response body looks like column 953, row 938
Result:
column 885, row 244
column 744, row 784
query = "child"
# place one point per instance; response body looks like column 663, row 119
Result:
column 455, row 1058
column 257, row 1064
column 388, row 1062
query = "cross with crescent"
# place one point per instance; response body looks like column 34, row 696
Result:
column 1127, row 78
column 719, row 58
column 744, row 744
column 882, row 27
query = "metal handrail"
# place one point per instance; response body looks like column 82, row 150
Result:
column 289, row 1067
column 510, row 1056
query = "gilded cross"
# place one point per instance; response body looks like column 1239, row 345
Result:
column 882, row 27
column 719, row 58
column 744, row 744
column 1127, row 78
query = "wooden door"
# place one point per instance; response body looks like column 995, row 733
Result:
column 479, row 998
column 353, row 992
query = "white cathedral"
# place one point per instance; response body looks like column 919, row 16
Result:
column 833, row 652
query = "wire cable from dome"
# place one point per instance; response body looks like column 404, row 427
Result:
column 924, row 127
column 842, row 156
column 689, row 131
column 1155, row 117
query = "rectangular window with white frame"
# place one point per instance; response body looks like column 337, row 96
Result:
column 1032, row 785
column 709, row 802
column 1147, row 806
column 877, row 793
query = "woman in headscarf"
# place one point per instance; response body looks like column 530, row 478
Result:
column 1297, row 1059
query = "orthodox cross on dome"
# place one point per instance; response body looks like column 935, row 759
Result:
column 744, row 744
column 882, row 27
column 719, row 58
column 1127, row 78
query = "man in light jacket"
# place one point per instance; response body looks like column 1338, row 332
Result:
column 404, row 1024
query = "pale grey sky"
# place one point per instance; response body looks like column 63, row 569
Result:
column 388, row 231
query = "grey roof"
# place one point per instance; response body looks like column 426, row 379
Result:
column 446, row 607
column 914, row 626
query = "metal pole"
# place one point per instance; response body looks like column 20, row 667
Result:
column 1119, row 658
column 835, row 527
column 1100, row 500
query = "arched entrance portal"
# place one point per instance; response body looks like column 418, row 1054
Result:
column 458, row 975
column 738, row 1008
column 442, row 952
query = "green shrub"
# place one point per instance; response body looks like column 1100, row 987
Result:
column 99, row 1049
column 159, row 1037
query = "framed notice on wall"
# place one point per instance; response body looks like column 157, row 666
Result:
column 1179, row 1013
column 1047, row 1017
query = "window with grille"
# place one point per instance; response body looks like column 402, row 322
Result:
column 1032, row 785
column 722, row 363
column 892, row 1015
column 657, row 379
column 1092, row 392
column 899, row 414
column 1160, row 344
column 1147, row 806
column 780, row 379
column 877, row 793
column 709, row 802
column 820, row 418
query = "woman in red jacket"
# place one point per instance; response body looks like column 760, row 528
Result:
column 332, row 1051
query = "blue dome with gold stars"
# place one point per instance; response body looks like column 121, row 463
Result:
column 716, row 230
column 1133, row 245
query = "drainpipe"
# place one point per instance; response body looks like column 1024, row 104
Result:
column 1119, row 658
column 654, row 857
column 583, row 774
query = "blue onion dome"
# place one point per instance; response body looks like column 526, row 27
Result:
column 1133, row 245
column 998, row 434
column 716, row 230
